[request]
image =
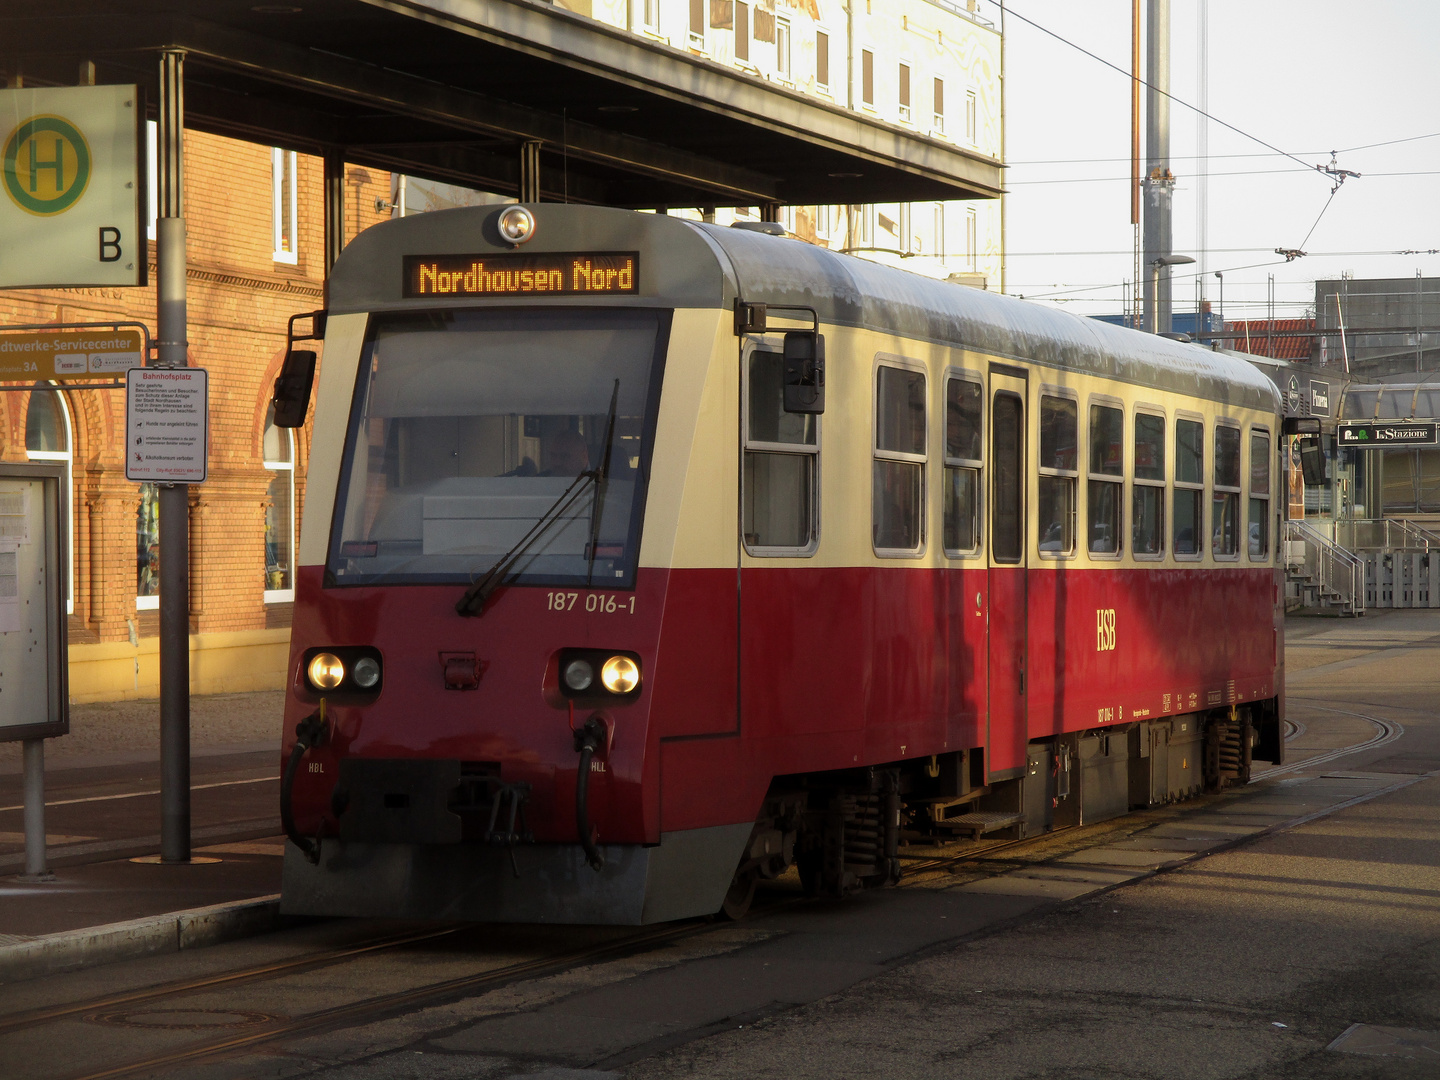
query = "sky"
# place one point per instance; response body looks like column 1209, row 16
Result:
column 1304, row 76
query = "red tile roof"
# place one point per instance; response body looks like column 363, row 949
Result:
column 1292, row 346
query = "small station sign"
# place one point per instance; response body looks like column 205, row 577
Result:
column 167, row 429
column 1386, row 434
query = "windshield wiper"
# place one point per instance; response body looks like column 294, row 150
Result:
column 601, row 483
column 473, row 602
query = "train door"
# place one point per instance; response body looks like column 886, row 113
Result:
column 1007, row 638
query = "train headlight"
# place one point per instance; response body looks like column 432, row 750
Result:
column 620, row 674
column 326, row 672
column 366, row 672
column 516, row 224
column 579, row 675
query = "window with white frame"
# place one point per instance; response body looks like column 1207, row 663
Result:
column 1147, row 496
column 50, row 437
column 867, row 77
column 904, row 92
column 898, row 493
column 742, row 31
column 782, row 450
column 972, row 118
column 279, row 458
column 285, row 206
column 939, row 123
column 697, row 23
column 1225, row 495
column 1189, row 499
column 822, row 60
column 939, row 239
column 972, row 239
column 782, row 49
column 648, row 12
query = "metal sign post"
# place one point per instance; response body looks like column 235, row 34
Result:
column 34, row 695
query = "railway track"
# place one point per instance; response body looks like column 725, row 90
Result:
column 268, row 1031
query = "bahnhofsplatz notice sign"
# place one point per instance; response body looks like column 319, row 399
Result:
column 72, row 187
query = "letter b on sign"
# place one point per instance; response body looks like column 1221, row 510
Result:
column 109, row 244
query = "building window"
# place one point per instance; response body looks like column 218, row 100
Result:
column 147, row 548
column 781, row 512
column 742, row 31
column 940, row 106
column 904, row 91
column 1189, row 486
column 284, row 204
column 972, row 118
column 1147, row 524
column 49, row 437
column 867, row 77
column 964, row 411
column 649, row 14
column 1106, row 488
column 1225, row 498
column 279, row 451
column 822, row 60
column 1059, row 474
column 898, row 501
column 972, row 238
column 1259, row 533
column 939, row 249
column 782, row 48
column 697, row 23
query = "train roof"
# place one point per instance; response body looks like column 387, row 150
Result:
column 842, row 289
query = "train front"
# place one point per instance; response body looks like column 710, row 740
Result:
column 476, row 646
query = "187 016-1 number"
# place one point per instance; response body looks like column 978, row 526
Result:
column 603, row 603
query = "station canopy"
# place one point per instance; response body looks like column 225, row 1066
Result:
column 450, row 90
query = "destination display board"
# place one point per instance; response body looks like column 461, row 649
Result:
column 543, row 273
column 1386, row 434
column 166, row 424
column 69, row 354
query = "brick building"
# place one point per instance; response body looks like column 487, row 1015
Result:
column 255, row 230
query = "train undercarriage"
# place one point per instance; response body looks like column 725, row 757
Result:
column 843, row 831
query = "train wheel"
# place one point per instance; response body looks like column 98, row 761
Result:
column 738, row 899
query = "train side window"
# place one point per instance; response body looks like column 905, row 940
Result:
column 898, row 495
column 964, row 413
column 1059, row 472
column 781, row 463
column 1007, row 460
column 1147, row 522
column 1189, row 512
column 1225, row 499
column 1106, row 488
column 1259, row 530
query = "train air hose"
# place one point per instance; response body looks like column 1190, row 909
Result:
column 588, row 738
column 309, row 733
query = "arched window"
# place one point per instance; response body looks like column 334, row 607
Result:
column 48, row 437
column 279, row 451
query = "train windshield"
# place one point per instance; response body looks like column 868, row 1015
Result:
column 469, row 426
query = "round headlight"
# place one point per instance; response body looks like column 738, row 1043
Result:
column 516, row 224
column 325, row 672
column 366, row 672
column 620, row 675
column 579, row 675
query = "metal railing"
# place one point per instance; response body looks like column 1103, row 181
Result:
column 1338, row 575
column 1385, row 535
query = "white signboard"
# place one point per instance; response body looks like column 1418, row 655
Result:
column 167, row 430
column 71, row 187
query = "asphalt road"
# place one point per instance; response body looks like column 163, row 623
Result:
column 1288, row 930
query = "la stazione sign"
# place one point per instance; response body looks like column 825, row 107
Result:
column 70, row 354
column 542, row 273
column 72, row 191
column 1381, row 434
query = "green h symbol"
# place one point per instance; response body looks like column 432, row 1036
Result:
column 55, row 164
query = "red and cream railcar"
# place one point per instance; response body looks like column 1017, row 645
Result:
column 620, row 587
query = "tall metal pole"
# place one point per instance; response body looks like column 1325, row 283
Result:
column 35, row 869
column 1159, row 181
column 335, row 212
column 174, row 498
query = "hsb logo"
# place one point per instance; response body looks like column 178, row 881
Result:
column 1104, row 629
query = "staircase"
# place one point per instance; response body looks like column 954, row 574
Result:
column 1329, row 576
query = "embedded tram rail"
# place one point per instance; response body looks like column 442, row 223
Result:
column 252, row 1031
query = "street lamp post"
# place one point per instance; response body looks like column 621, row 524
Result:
column 1155, row 316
